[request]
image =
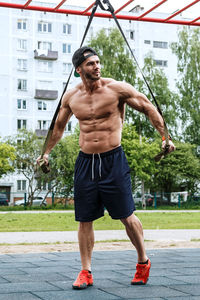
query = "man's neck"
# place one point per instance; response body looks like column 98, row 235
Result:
column 91, row 85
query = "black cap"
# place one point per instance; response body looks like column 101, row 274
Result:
column 78, row 58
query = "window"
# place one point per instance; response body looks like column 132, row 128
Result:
column 21, row 124
column 66, row 48
column 131, row 35
column 45, row 186
column 42, row 105
column 22, row 84
column 22, row 44
column 21, row 104
column 148, row 42
column 43, row 124
column 45, row 66
column 22, row 64
column 161, row 63
column 67, row 28
column 21, row 24
column 44, row 45
column 158, row 44
column 44, row 27
column 68, row 127
column 67, row 68
column 21, row 185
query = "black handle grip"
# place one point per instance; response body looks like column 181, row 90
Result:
column 45, row 168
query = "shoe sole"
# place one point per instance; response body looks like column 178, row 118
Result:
column 138, row 283
column 81, row 287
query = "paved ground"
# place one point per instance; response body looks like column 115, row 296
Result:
column 175, row 275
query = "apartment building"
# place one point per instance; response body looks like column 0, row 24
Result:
column 35, row 57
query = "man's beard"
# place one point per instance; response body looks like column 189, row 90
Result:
column 90, row 76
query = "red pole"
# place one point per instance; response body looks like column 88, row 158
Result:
column 147, row 12
column 99, row 15
column 184, row 8
column 123, row 6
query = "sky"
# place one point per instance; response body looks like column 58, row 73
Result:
column 170, row 6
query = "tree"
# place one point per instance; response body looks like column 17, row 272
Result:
column 114, row 57
column 140, row 155
column 62, row 158
column 180, row 170
column 188, row 67
column 7, row 156
column 27, row 148
column 166, row 99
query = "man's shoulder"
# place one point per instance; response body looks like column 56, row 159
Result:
column 70, row 93
column 114, row 84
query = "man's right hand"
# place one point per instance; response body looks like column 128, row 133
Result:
column 45, row 158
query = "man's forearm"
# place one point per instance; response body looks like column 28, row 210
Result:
column 54, row 139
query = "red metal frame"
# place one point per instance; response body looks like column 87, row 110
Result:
column 57, row 9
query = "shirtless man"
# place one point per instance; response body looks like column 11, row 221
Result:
column 102, row 174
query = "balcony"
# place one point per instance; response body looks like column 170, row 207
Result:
column 41, row 132
column 46, row 94
column 46, row 54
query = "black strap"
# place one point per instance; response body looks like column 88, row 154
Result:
column 166, row 133
column 43, row 166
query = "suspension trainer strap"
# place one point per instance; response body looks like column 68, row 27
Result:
column 45, row 168
column 166, row 133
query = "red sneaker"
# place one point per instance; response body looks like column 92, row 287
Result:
column 83, row 280
column 142, row 273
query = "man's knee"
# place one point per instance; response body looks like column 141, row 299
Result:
column 130, row 221
column 85, row 226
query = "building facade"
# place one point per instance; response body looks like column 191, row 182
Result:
column 35, row 56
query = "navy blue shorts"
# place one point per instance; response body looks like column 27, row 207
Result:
column 102, row 181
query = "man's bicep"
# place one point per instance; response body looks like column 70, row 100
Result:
column 139, row 102
column 64, row 116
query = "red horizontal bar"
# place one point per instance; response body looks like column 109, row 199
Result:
column 123, row 6
column 184, row 8
column 154, row 7
column 99, row 15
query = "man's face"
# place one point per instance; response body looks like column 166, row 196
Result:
column 91, row 68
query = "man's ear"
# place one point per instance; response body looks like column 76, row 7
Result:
column 78, row 70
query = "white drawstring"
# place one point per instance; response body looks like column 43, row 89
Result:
column 99, row 165
column 93, row 165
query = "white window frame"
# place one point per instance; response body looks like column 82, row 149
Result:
column 45, row 66
column 22, row 64
column 22, row 23
column 160, row 44
column 21, row 185
column 161, row 63
column 44, row 45
column 22, row 44
column 66, row 48
column 22, row 83
column 68, row 127
column 22, row 123
column 42, row 105
column 46, row 27
column 43, row 124
column 67, row 29
column 67, row 68
column 21, row 104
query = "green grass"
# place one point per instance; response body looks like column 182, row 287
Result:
column 65, row 221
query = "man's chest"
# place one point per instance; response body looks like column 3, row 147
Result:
column 96, row 106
